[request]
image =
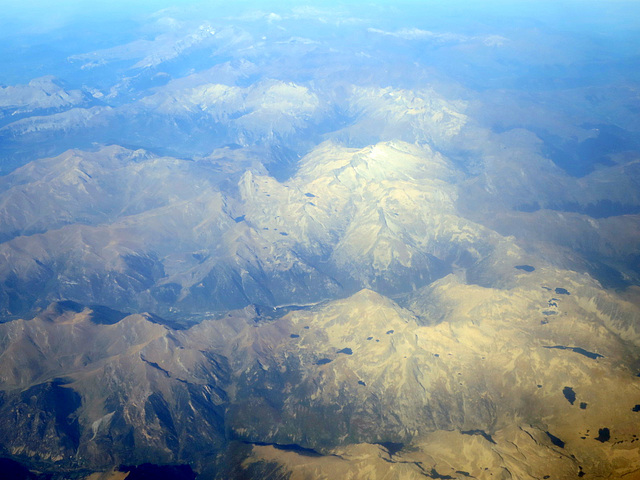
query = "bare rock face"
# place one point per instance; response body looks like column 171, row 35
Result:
column 462, row 380
column 131, row 230
column 90, row 391
column 501, row 388
column 44, row 94
column 490, row 346
column 41, row 422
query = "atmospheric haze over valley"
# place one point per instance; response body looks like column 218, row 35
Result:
column 284, row 240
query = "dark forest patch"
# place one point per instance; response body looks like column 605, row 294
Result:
column 579, row 350
column 603, row 435
column 569, row 394
column 555, row 440
column 482, row 433
column 526, row 268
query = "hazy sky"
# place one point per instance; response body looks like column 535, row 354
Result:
column 595, row 13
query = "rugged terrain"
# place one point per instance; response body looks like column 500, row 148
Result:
column 464, row 381
column 321, row 243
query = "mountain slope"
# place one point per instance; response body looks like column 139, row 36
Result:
column 516, row 381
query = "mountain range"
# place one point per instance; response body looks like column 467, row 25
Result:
column 320, row 243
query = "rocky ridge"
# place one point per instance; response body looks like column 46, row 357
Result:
column 525, row 368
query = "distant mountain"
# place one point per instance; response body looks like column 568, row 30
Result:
column 170, row 235
column 151, row 53
column 155, row 233
column 39, row 95
column 73, row 119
